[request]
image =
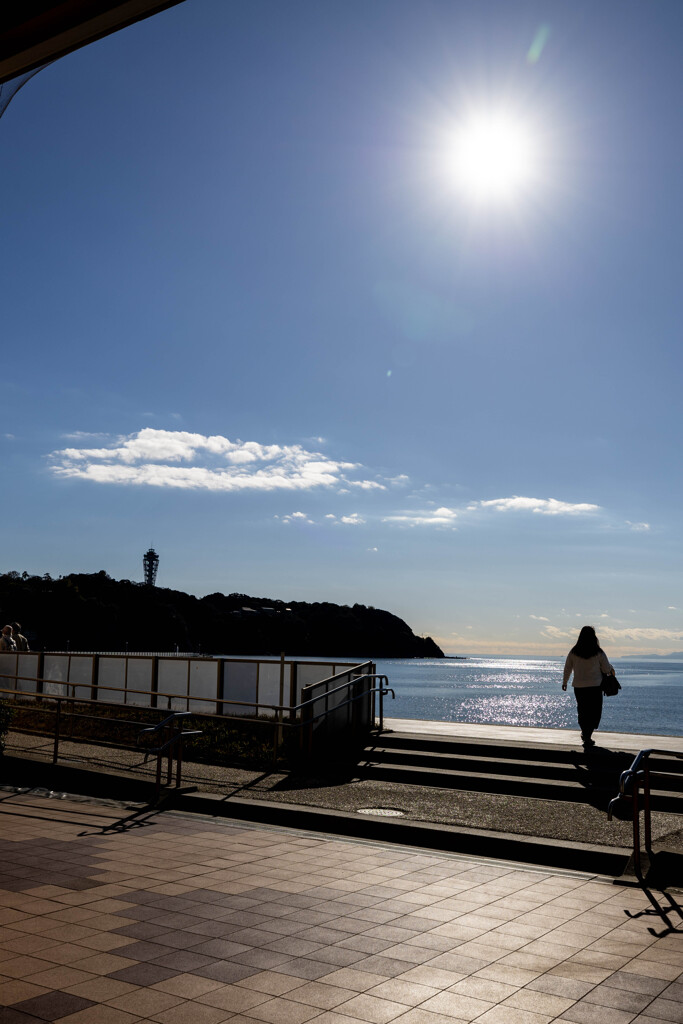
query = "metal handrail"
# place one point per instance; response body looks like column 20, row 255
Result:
column 174, row 744
column 308, row 721
column 175, row 740
column 171, row 696
column 630, row 781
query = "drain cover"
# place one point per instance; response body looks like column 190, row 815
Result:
column 384, row 812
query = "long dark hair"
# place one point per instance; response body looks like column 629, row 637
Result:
column 587, row 646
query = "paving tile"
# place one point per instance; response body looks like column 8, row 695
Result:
column 666, row 1009
column 553, row 984
column 282, row 1011
column 99, row 990
column 592, row 1013
column 100, row 1014
column 233, row 998
column 539, row 1002
column 192, row 1013
column 482, row 988
column 509, row 1015
column 227, row 973
column 145, row 1002
column 356, row 980
column 60, row 977
column 415, row 1016
column 303, row 968
column 619, row 998
column 53, row 1005
column 16, row 990
column 104, row 963
column 144, row 974
column 649, row 968
column 455, row 1005
column 10, row 1016
column 401, row 991
column 271, row 983
column 183, row 960
column 145, row 950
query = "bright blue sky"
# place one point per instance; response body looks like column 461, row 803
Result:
column 239, row 222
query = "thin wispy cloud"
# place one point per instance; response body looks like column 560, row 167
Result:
column 179, row 459
column 639, row 527
column 609, row 634
column 542, row 506
column 438, row 517
column 85, row 435
column 353, row 519
column 295, row 517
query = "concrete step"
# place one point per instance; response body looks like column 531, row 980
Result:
column 524, row 770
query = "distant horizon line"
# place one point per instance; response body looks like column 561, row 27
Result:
column 546, row 654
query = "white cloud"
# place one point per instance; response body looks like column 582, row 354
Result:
column 296, row 517
column 539, row 618
column 544, row 506
column 609, row 634
column 437, row 517
column 353, row 520
column 179, row 459
column 85, row 435
column 640, row 527
column 671, row 608
column 373, row 549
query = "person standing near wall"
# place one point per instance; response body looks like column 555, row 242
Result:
column 20, row 641
column 7, row 644
column 587, row 661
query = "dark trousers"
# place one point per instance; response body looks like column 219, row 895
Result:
column 589, row 708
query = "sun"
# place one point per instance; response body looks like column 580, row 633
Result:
column 494, row 157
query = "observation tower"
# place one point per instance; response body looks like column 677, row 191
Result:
column 150, row 563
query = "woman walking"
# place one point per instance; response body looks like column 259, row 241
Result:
column 587, row 661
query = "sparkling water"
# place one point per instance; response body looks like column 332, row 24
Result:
column 527, row 691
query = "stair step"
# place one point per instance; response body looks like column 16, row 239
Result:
column 573, row 789
column 482, row 764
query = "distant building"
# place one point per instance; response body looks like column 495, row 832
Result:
column 150, row 564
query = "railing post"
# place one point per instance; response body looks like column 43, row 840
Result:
column 381, row 706
column 179, row 760
column 169, row 760
column 636, row 825
column 55, row 750
column 647, row 825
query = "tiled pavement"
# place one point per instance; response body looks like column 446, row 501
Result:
column 112, row 917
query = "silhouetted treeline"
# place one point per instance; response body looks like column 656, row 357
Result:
column 92, row 612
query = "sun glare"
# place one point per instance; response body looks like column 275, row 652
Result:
column 494, row 158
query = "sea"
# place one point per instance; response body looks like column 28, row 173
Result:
column 527, row 691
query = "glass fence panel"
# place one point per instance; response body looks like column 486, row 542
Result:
column 140, row 678
column 306, row 674
column 173, row 684
column 8, row 671
column 269, row 685
column 111, row 673
column 28, row 668
column 203, row 683
column 239, row 683
column 56, row 674
column 80, row 673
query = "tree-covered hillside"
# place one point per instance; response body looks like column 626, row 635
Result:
column 92, row 612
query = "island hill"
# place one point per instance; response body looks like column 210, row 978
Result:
column 93, row 612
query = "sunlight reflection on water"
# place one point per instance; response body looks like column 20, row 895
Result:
column 527, row 692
